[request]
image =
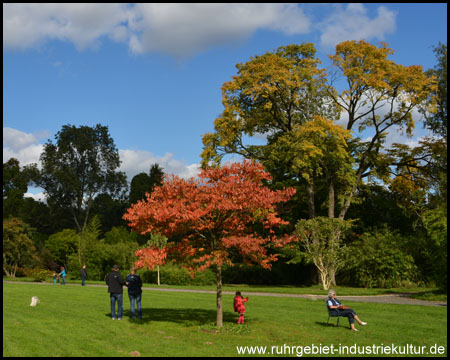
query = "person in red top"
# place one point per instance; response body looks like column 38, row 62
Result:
column 239, row 306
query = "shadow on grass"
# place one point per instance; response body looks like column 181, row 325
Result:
column 332, row 324
column 187, row 317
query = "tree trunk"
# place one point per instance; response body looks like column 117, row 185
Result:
column 9, row 273
column 331, row 199
column 352, row 191
column 310, row 199
column 79, row 248
column 157, row 269
column 332, row 277
column 324, row 277
column 219, row 321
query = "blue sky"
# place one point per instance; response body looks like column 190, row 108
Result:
column 153, row 72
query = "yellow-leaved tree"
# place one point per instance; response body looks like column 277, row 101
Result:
column 285, row 100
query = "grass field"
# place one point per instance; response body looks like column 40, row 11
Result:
column 75, row 321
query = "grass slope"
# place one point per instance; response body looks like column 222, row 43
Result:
column 75, row 321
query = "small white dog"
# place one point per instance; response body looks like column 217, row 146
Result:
column 34, row 301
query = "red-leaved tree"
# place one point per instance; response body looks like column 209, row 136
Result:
column 215, row 215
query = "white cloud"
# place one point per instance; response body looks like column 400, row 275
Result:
column 175, row 29
column 353, row 23
column 16, row 139
column 29, row 25
column 22, row 146
column 137, row 161
column 182, row 29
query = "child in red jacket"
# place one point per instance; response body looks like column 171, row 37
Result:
column 239, row 306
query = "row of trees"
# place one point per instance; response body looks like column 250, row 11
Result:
column 355, row 208
column 82, row 185
column 286, row 97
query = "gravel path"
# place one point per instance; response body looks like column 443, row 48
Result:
column 404, row 299
column 385, row 299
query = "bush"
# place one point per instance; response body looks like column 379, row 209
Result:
column 41, row 275
column 100, row 257
column 377, row 259
column 171, row 274
column 37, row 274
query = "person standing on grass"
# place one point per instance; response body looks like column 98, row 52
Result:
column 134, row 284
column 239, row 306
column 334, row 305
column 83, row 275
column 63, row 275
column 115, row 283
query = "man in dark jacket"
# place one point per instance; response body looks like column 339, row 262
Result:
column 134, row 284
column 83, row 275
column 115, row 283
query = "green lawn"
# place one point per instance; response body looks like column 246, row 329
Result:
column 75, row 321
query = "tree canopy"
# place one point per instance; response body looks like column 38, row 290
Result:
column 81, row 164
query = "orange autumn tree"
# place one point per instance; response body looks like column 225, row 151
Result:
column 212, row 218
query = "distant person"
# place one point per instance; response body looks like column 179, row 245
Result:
column 134, row 284
column 115, row 283
column 54, row 277
column 83, row 275
column 63, row 275
column 239, row 306
column 334, row 305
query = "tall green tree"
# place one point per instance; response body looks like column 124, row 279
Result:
column 143, row 183
column 80, row 165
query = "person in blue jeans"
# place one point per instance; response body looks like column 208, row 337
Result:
column 115, row 283
column 63, row 275
column 335, row 305
column 134, row 284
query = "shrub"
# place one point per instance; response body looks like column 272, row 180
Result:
column 176, row 275
column 37, row 274
column 377, row 259
column 41, row 275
